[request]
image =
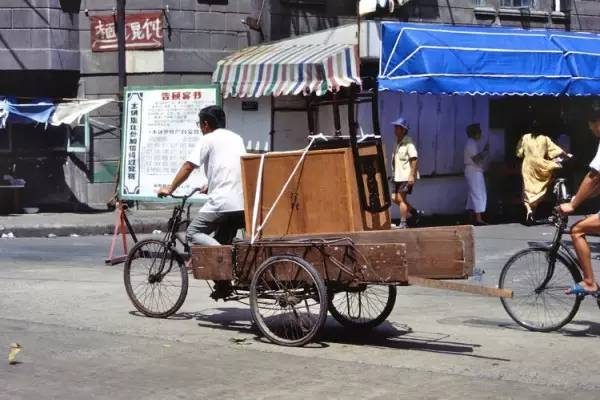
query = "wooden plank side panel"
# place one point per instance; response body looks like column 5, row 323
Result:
column 212, row 262
column 433, row 260
column 436, row 259
column 385, row 263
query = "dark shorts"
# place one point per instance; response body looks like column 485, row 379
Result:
column 402, row 187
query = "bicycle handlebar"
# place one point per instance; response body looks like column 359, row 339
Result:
column 186, row 196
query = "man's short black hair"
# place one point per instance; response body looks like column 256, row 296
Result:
column 473, row 129
column 594, row 115
column 214, row 116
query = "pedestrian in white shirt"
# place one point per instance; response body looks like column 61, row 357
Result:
column 475, row 158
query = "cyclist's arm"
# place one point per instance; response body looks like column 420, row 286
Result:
column 589, row 188
column 184, row 172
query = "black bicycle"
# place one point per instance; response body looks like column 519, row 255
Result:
column 539, row 277
column 155, row 272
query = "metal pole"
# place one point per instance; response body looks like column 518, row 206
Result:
column 358, row 23
column 272, row 131
column 121, row 65
column 121, row 46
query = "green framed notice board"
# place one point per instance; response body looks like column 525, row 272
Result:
column 159, row 130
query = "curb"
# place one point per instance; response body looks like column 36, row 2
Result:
column 37, row 231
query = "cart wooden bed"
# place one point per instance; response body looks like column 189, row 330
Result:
column 354, row 276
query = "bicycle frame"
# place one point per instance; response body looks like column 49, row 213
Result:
column 557, row 247
column 171, row 237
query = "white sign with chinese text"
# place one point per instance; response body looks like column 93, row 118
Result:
column 159, row 131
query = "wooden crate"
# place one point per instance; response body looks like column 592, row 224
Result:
column 322, row 197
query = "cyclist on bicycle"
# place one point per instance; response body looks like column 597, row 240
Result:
column 218, row 151
column 590, row 187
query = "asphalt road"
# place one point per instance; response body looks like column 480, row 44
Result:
column 81, row 338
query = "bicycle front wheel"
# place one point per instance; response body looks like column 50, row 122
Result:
column 156, row 279
column 540, row 310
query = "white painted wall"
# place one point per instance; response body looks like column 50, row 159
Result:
column 253, row 126
column 438, row 125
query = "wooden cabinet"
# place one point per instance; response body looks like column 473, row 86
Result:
column 322, row 196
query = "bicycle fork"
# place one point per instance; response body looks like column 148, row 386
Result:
column 552, row 254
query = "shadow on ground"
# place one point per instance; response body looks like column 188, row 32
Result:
column 390, row 335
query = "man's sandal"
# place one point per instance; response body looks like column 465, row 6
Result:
column 579, row 290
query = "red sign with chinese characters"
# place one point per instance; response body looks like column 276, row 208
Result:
column 142, row 32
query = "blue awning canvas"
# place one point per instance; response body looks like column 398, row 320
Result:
column 38, row 111
column 439, row 59
column 582, row 54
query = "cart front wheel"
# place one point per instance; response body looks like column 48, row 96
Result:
column 156, row 279
column 363, row 307
column 288, row 300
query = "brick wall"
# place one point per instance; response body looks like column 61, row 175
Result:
column 38, row 35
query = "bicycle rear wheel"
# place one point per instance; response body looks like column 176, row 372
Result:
column 543, row 310
column 156, row 279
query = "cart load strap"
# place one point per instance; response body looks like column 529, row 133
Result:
column 282, row 69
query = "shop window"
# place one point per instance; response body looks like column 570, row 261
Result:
column 27, row 138
column 32, row 138
column 78, row 138
column 517, row 3
column 304, row 2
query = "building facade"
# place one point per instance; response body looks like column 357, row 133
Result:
column 45, row 52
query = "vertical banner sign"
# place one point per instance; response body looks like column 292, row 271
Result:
column 142, row 32
column 159, row 132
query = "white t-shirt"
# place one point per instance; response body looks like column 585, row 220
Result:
column 219, row 152
column 405, row 151
column 471, row 150
column 595, row 164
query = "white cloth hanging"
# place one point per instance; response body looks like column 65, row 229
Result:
column 367, row 7
column 70, row 113
column 3, row 114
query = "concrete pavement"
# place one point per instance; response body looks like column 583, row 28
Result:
column 82, row 338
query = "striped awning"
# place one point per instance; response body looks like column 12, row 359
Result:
column 282, row 69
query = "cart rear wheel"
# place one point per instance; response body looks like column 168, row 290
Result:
column 156, row 279
column 364, row 307
column 288, row 300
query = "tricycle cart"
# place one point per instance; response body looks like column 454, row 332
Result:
column 292, row 282
column 320, row 239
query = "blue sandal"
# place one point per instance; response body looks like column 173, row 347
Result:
column 579, row 290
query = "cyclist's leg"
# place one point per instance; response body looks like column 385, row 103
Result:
column 201, row 227
column 229, row 225
column 587, row 225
